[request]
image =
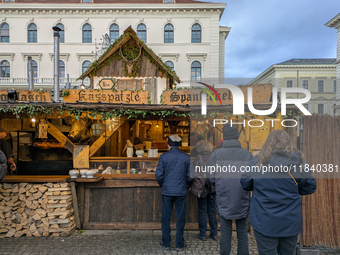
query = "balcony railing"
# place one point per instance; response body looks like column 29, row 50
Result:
column 8, row 81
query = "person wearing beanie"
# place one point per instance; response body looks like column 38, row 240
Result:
column 6, row 149
column 206, row 204
column 232, row 201
column 173, row 175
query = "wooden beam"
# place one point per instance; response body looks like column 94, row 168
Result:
column 135, row 225
column 60, row 137
column 103, row 138
column 75, row 204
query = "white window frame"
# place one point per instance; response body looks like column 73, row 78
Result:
column 333, row 111
column 324, row 103
column 317, row 85
column 308, row 106
column 292, row 83
column 307, row 83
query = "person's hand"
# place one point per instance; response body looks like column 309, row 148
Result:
column 13, row 167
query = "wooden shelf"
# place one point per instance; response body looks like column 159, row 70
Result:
column 35, row 178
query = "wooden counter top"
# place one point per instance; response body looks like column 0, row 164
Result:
column 35, row 178
column 64, row 178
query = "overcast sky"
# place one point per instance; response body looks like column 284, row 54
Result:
column 267, row 32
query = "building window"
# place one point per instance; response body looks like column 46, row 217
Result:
column 306, row 106
column 289, row 83
column 5, row 69
column 305, row 84
column 4, row 32
column 62, row 32
column 321, row 108
column 334, row 85
column 35, row 68
column 196, row 33
column 114, row 32
column 141, row 32
column 169, row 1
column 86, row 1
column 168, row 33
column 8, row 1
column 87, row 33
column 321, row 85
column 86, row 64
column 61, row 69
column 32, row 33
column 195, row 71
column 170, row 64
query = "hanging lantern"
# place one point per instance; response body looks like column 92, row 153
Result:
column 41, row 129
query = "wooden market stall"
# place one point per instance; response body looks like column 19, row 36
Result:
column 131, row 96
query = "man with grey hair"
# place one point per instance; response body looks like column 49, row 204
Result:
column 173, row 175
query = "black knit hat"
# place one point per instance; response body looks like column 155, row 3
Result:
column 230, row 132
column 3, row 130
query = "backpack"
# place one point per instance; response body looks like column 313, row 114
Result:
column 197, row 186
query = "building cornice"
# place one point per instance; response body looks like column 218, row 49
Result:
column 225, row 31
column 7, row 54
column 334, row 22
column 25, row 55
column 169, row 55
column 112, row 9
column 196, row 55
column 277, row 67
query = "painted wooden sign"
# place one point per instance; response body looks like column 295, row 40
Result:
column 113, row 97
column 261, row 95
column 27, row 96
column 81, row 156
column 106, row 83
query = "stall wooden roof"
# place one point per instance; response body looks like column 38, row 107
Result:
column 128, row 34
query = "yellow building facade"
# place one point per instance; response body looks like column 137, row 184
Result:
column 316, row 75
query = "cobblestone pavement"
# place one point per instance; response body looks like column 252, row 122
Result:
column 116, row 242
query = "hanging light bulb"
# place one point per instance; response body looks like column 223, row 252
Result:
column 82, row 86
column 157, row 126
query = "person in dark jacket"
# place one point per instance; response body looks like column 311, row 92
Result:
column 3, row 165
column 7, row 150
column 232, row 200
column 173, row 175
column 275, row 208
column 206, row 204
column 194, row 152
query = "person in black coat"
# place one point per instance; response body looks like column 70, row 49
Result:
column 3, row 165
column 173, row 175
column 207, row 204
column 232, row 200
column 275, row 208
column 6, row 149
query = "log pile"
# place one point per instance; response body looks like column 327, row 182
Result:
column 35, row 209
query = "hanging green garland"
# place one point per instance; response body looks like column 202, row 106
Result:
column 34, row 110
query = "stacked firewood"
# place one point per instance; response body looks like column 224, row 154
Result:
column 60, row 209
column 35, row 209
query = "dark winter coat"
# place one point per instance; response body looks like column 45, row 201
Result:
column 204, row 149
column 275, row 208
column 3, row 165
column 173, row 172
column 232, row 200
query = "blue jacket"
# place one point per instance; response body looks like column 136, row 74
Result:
column 173, row 172
column 232, row 201
column 275, row 207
